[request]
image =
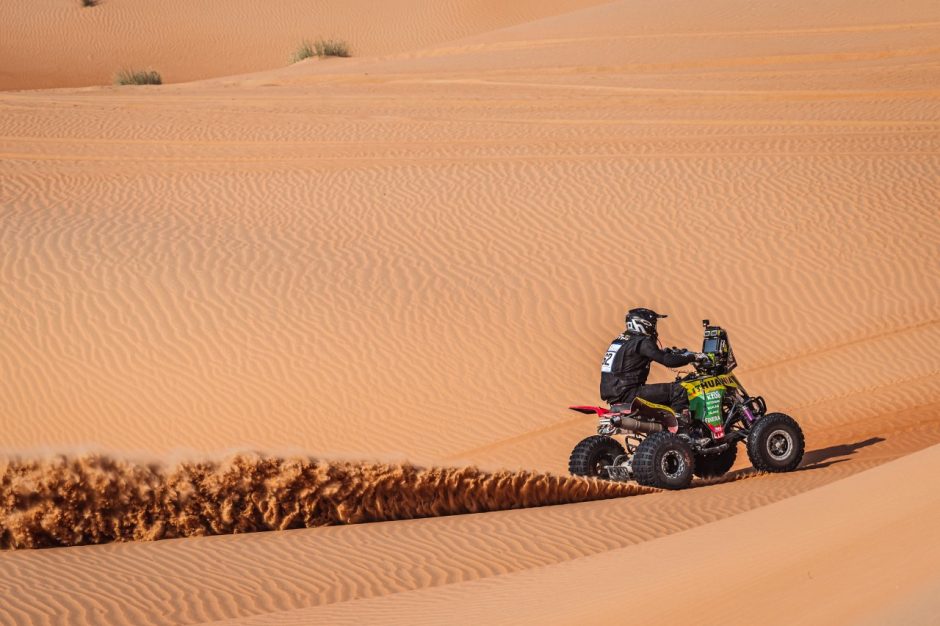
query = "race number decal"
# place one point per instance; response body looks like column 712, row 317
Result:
column 608, row 362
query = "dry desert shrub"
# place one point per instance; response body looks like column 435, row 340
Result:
column 137, row 77
column 331, row 48
column 320, row 48
column 304, row 51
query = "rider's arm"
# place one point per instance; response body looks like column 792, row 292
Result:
column 650, row 350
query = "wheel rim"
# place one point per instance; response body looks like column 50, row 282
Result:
column 779, row 445
column 672, row 464
column 600, row 467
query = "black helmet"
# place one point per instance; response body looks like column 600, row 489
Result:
column 642, row 321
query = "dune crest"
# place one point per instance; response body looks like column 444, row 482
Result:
column 65, row 501
column 187, row 42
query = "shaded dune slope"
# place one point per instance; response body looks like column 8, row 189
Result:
column 848, row 536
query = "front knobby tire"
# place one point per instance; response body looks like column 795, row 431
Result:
column 663, row 460
column 776, row 443
column 592, row 456
column 715, row 465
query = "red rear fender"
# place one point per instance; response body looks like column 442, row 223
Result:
column 590, row 409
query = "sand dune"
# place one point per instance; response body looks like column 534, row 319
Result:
column 60, row 43
column 816, row 568
column 215, row 578
column 419, row 253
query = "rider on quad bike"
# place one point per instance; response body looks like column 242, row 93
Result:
column 626, row 365
column 663, row 447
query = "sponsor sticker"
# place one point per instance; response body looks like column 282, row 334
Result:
column 713, row 407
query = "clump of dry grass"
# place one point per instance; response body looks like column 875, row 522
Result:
column 331, row 48
column 304, row 51
column 89, row 3
column 138, row 77
column 320, row 48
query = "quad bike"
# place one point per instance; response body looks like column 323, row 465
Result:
column 658, row 451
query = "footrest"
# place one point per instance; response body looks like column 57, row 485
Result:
column 619, row 473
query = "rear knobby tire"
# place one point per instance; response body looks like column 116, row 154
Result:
column 775, row 443
column 592, row 456
column 715, row 465
column 663, row 460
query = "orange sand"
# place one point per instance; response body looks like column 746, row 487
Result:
column 421, row 252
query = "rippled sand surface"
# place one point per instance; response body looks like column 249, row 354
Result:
column 418, row 254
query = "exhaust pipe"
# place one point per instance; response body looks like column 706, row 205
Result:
column 629, row 423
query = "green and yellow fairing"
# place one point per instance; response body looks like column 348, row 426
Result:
column 706, row 396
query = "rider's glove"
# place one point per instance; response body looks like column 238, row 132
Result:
column 701, row 357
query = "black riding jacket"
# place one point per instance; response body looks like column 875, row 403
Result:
column 626, row 364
